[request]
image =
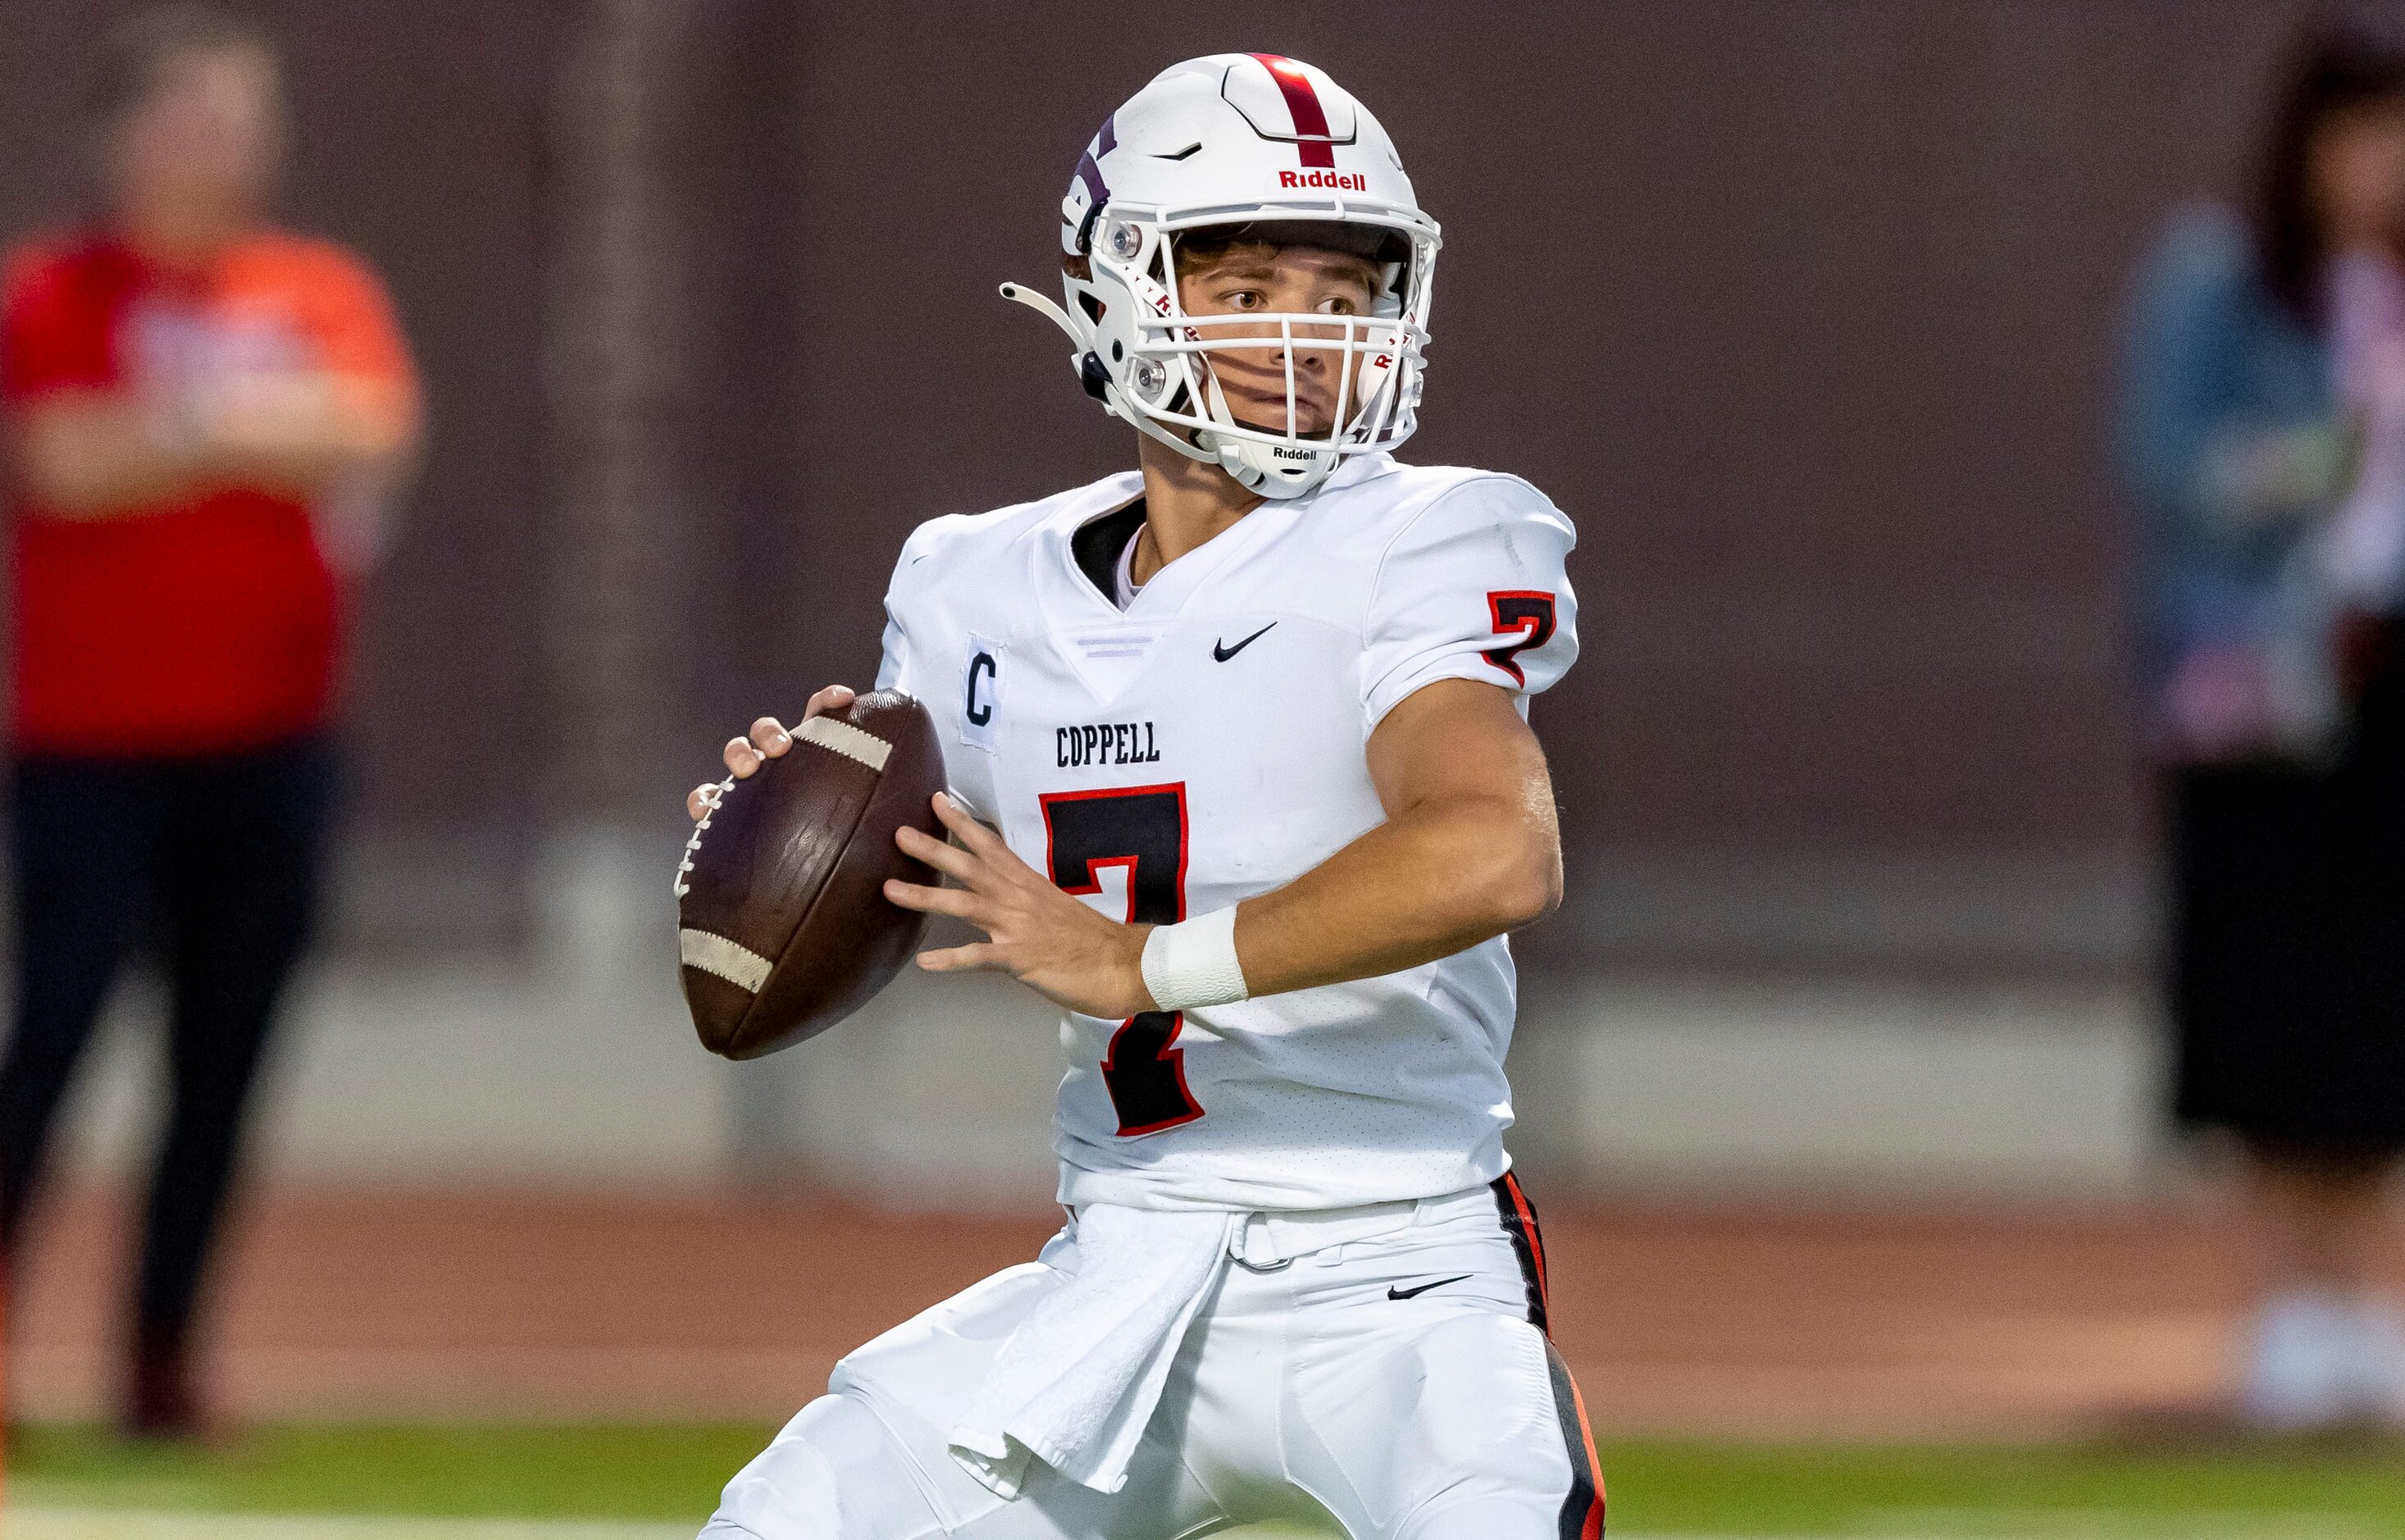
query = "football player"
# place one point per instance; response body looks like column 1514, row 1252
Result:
column 1243, row 780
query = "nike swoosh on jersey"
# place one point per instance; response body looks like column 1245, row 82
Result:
column 1393, row 1292
column 1221, row 652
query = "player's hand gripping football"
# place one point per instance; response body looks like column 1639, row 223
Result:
column 767, row 739
column 1036, row 933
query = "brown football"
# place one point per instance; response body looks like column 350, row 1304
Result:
column 782, row 920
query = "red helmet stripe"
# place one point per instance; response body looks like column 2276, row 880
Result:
column 1302, row 101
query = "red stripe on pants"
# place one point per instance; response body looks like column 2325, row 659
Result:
column 1535, row 1242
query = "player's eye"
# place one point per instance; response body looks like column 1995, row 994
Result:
column 1339, row 305
column 1243, row 299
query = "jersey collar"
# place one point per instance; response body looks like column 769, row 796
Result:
column 1166, row 594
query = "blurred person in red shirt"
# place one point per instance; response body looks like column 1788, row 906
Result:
column 203, row 413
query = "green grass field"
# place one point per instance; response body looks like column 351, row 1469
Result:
column 636, row 1482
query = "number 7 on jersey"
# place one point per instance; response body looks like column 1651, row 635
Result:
column 1141, row 830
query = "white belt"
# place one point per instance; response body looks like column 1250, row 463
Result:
column 1271, row 1239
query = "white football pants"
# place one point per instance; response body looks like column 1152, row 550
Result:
column 1400, row 1385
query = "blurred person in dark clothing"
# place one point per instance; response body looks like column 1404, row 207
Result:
column 2265, row 430
column 202, row 413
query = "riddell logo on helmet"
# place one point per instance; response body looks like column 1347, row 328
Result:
column 1340, row 181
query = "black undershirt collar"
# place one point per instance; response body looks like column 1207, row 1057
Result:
column 1096, row 546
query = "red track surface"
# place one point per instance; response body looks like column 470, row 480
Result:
column 1757, row 1319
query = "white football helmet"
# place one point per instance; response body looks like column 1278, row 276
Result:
column 1273, row 145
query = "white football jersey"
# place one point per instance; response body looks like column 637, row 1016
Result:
column 1207, row 744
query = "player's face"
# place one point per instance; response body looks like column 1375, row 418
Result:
column 1292, row 280
column 208, row 133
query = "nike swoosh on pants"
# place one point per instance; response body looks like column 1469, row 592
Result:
column 1393, row 1292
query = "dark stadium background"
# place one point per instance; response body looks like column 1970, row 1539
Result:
column 1806, row 313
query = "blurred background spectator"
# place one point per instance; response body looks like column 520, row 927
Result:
column 205, row 414
column 2265, row 425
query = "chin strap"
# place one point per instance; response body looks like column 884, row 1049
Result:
column 1228, row 454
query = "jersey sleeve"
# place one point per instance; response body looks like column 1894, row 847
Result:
column 901, row 669
column 893, row 671
column 894, row 667
column 1474, row 587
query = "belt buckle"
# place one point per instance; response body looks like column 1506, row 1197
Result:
column 1255, row 1248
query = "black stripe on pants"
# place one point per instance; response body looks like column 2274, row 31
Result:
column 1583, row 1509
column 1581, row 1517
column 219, row 856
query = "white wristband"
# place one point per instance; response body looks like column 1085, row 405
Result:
column 1194, row 962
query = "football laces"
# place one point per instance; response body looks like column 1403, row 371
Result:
column 710, row 798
